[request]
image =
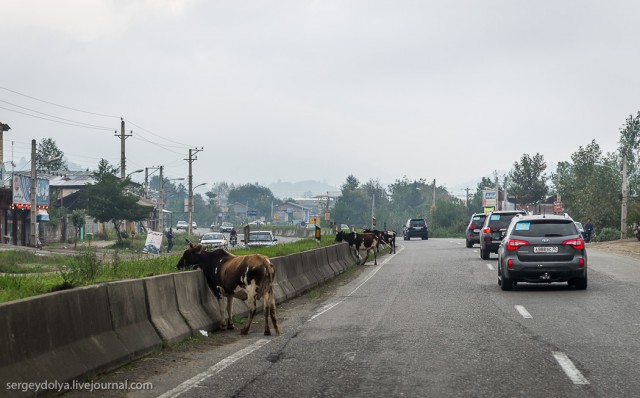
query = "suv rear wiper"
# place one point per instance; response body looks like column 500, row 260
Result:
column 552, row 235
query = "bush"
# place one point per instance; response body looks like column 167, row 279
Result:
column 607, row 234
column 81, row 269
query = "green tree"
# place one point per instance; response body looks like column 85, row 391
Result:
column 49, row 156
column 77, row 219
column 527, row 180
column 107, row 200
column 255, row 196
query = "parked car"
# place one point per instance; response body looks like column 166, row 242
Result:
column 194, row 225
column 542, row 249
column 493, row 230
column 256, row 223
column 226, row 227
column 345, row 227
column 473, row 229
column 580, row 228
column 182, row 225
column 214, row 240
column 415, row 227
column 260, row 238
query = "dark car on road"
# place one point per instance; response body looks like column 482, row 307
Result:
column 416, row 227
column 542, row 249
column 473, row 229
column 493, row 230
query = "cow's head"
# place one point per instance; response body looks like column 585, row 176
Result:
column 191, row 256
column 340, row 236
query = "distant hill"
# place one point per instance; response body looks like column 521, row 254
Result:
column 285, row 189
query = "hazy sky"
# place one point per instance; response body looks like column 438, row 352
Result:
column 317, row 90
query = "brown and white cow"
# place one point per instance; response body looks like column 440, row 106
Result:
column 249, row 278
column 365, row 241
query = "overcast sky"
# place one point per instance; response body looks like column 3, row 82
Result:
column 317, row 90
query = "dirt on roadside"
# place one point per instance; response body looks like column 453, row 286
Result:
column 629, row 247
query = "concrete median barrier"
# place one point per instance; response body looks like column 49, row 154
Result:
column 59, row 336
column 189, row 293
column 322, row 264
column 334, row 262
column 296, row 274
column 283, row 289
column 130, row 318
column 310, row 267
column 163, row 308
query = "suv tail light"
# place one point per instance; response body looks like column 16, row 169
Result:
column 514, row 244
column 577, row 243
column 487, row 230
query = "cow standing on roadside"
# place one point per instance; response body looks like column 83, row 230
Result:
column 364, row 241
column 249, row 278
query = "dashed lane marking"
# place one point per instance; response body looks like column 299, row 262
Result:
column 569, row 368
column 523, row 311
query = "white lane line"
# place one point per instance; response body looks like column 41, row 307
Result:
column 217, row 368
column 523, row 311
column 375, row 271
column 569, row 368
column 490, row 267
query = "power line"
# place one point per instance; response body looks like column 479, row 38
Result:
column 55, row 121
column 58, row 105
column 57, row 117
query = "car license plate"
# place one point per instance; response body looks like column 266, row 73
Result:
column 476, row 230
column 545, row 249
column 496, row 236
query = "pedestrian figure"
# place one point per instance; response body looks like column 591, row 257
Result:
column 169, row 240
column 588, row 231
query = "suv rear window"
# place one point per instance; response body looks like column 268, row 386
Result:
column 501, row 220
column 544, row 228
column 416, row 223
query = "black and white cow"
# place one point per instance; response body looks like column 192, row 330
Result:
column 247, row 278
column 363, row 241
column 386, row 238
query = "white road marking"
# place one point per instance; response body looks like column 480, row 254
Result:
column 490, row 267
column 217, row 368
column 331, row 305
column 523, row 311
column 569, row 368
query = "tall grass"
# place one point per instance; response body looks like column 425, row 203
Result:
column 90, row 266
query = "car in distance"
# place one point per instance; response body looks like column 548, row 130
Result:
column 226, row 227
column 194, row 225
column 345, row 227
column 542, row 249
column 260, row 238
column 580, row 228
column 473, row 229
column 214, row 240
column 415, row 227
column 182, row 225
column 493, row 230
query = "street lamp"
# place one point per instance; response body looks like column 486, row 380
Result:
column 624, row 189
column 191, row 207
column 134, row 172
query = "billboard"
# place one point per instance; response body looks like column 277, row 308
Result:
column 22, row 190
column 489, row 198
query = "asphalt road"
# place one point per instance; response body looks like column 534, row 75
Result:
column 431, row 321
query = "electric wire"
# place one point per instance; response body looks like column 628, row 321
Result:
column 55, row 121
column 57, row 117
column 58, row 105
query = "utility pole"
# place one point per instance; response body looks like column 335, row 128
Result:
column 623, row 211
column 146, row 182
column 123, row 137
column 433, row 202
column 161, row 203
column 467, row 197
column 497, row 192
column 192, row 152
column 33, row 240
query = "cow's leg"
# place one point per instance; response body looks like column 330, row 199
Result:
column 270, row 310
column 223, row 316
column 251, row 303
column 229, row 312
